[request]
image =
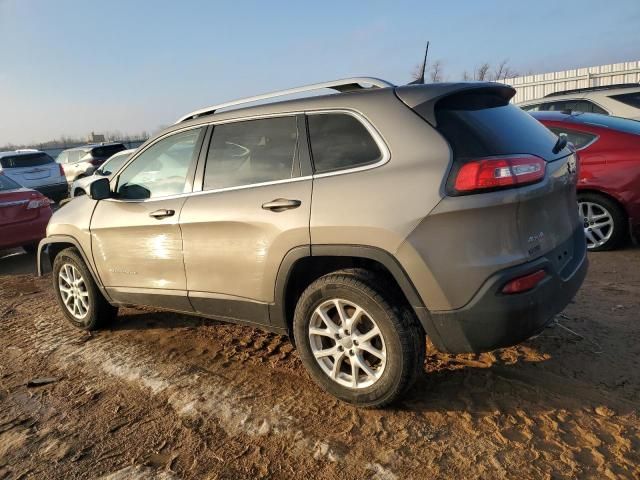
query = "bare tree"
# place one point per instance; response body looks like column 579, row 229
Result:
column 503, row 71
column 435, row 72
column 416, row 74
column 482, row 72
column 466, row 77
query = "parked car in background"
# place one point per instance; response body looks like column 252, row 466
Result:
column 82, row 161
column 36, row 170
column 617, row 100
column 107, row 169
column 437, row 208
column 609, row 181
column 24, row 214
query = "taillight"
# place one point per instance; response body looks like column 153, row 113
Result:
column 522, row 284
column 95, row 163
column 61, row 169
column 39, row 203
column 499, row 172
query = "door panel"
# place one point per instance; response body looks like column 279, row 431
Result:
column 134, row 250
column 233, row 246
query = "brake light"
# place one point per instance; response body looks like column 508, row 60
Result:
column 522, row 284
column 499, row 172
column 61, row 170
column 39, row 203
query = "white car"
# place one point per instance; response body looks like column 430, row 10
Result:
column 107, row 169
column 617, row 100
column 37, row 170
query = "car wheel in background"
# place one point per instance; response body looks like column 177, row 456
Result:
column 605, row 223
column 77, row 293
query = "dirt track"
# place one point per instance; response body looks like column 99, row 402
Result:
column 175, row 397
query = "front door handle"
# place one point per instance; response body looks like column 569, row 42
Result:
column 162, row 213
column 281, row 204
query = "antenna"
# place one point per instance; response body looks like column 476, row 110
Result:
column 420, row 79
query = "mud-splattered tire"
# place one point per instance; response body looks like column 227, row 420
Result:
column 77, row 293
column 357, row 340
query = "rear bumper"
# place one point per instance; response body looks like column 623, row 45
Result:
column 493, row 320
column 56, row 191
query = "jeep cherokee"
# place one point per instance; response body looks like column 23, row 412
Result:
column 355, row 222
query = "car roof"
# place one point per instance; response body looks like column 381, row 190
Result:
column 347, row 100
column 18, row 153
column 609, row 89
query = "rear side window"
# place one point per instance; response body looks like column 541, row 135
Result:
column 340, row 141
column 253, row 151
column 576, row 106
column 631, row 99
column 26, row 160
column 481, row 125
column 7, row 184
column 579, row 139
column 107, row 151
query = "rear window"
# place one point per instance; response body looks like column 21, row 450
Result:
column 7, row 184
column 483, row 124
column 107, row 151
column 614, row 123
column 631, row 99
column 26, row 160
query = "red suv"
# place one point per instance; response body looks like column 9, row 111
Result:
column 609, row 181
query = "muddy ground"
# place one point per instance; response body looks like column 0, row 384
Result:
column 176, row 397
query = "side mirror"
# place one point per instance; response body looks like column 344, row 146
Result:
column 100, row 189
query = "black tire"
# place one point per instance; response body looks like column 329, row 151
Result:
column 620, row 226
column 99, row 312
column 403, row 336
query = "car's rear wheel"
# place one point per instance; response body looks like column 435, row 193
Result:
column 77, row 293
column 605, row 224
column 354, row 343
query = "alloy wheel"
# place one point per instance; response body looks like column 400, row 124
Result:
column 73, row 291
column 597, row 222
column 347, row 343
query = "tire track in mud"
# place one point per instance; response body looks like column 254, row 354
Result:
column 193, row 392
column 462, row 418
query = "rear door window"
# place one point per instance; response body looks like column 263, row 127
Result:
column 252, row 152
column 340, row 141
column 579, row 139
column 26, row 160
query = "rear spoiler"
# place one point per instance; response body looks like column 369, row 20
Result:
column 427, row 96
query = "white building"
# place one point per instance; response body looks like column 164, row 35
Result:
column 533, row 87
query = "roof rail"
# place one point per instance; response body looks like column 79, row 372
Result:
column 593, row 89
column 344, row 85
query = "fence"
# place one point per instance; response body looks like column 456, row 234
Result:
column 533, row 87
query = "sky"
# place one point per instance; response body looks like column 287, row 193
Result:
column 69, row 67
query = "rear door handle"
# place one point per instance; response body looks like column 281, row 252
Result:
column 281, row 204
column 162, row 213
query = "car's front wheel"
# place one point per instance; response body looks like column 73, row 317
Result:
column 77, row 293
column 604, row 222
column 357, row 342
